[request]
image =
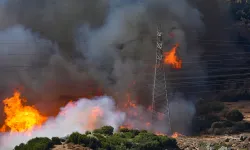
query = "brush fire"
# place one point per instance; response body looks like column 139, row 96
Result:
column 24, row 122
column 20, row 118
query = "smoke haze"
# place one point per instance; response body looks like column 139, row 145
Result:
column 52, row 49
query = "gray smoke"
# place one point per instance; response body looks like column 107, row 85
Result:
column 53, row 48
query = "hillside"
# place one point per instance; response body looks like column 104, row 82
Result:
column 243, row 106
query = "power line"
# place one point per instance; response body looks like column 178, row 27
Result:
column 222, row 41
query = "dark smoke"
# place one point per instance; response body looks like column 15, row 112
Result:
column 55, row 48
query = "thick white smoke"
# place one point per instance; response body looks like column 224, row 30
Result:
column 80, row 116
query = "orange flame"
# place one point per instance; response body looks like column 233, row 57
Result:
column 159, row 133
column 126, row 126
column 176, row 135
column 20, row 118
column 130, row 103
column 93, row 118
column 171, row 58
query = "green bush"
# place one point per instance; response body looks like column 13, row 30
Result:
column 234, row 115
column 124, row 130
column 87, row 132
column 168, row 142
column 20, row 147
column 104, row 139
column 36, row 144
column 107, row 130
column 56, row 141
column 78, row 138
column 74, row 138
column 130, row 133
column 93, row 143
column 149, row 141
column 144, row 137
column 217, row 125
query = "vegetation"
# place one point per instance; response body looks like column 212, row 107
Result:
column 56, row 141
column 105, row 139
column 234, row 115
column 36, row 144
column 207, row 112
column 213, row 117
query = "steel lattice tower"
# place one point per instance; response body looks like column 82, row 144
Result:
column 160, row 103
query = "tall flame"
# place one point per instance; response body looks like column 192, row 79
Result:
column 172, row 59
column 20, row 118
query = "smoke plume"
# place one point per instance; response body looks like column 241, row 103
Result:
column 53, row 49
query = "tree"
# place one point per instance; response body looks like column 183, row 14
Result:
column 56, row 141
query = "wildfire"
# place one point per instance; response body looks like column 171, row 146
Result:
column 128, row 126
column 20, row 118
column 176, row 134
column 93, row 118
column 159, row 133
column 129, row 102
column 172, row 59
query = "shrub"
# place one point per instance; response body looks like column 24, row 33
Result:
column 93, row 143
column 135, row 132
column 105, row 139
column 20, row 147
column 78, row 138
column 130, row 133
column 217, row 125
column 234, row 115
column 36, row 144
column 74, row 138
column 143, row 131
column 107, row 130
column 56, row 141
column 144, row 137
column 149, row 141
column 167, row 142
column 87, row 132
column 124, row 130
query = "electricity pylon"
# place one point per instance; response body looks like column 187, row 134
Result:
column 160, row 103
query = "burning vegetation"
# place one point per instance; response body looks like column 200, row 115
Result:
column 20, row 118
column 27, row 120
column 105, row 138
